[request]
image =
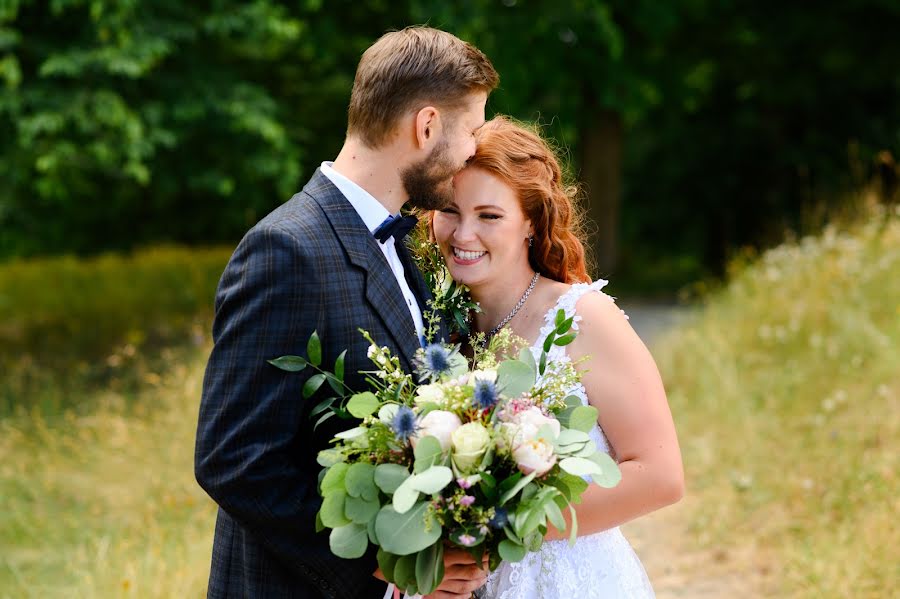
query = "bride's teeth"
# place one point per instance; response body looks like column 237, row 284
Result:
column 466, row 255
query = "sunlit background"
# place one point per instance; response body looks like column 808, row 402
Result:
column 738, row 163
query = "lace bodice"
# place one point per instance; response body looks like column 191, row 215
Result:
column 599, row 566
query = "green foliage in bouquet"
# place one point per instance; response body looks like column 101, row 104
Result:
column 485, row 458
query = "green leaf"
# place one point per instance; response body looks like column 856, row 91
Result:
column 560, row 318
column 370, row 528
column 527, row 358
column 570, row 436
column 314, row 349
column 389, row 477
column 405, row 572
column 565, row 325
column 329, row 457
column 548, row 342
column 324, row 417
column 289, row 363
column 514, row 378
column 386, row 562
column 405, row 534
column 351, row 433
column 511, row 552
column 361, row 511
column 312, row 385
column 363, row 404
column 432, row 480
column 581, row 467
column 516, row 488
column 332, row 510
column 321, row 407
column 543, row 365
column 360, row 481
column 555, row 516
column 565, row 339
column 583, row 418
column 334, row 383
column 405, row 496
column 573, row 534
column 334, row 479
column 609, row 475
column 429, row 568
column 428, row 452
column 339, row 366
column 349, row 541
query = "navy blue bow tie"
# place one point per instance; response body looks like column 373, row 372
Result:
column 397, row 227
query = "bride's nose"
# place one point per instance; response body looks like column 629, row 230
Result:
column 464, row 231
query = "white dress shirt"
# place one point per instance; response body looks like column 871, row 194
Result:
column 373, row 213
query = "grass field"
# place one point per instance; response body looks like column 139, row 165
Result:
column 785, row 391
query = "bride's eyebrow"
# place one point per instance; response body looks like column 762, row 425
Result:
column 490, row 207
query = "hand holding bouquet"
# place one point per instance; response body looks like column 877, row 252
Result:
column 484, row 458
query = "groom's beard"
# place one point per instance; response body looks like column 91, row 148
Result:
column 429, row 183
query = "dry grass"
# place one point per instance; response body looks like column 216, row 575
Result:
column 787, row 398
column 105, row 505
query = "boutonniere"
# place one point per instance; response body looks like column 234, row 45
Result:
column 449, row 298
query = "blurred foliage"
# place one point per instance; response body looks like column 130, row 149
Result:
column 75, row 320
column 126, row 122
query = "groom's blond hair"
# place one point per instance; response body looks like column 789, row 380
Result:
column 409, row 69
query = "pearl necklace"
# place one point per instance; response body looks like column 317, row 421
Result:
column 515, row 310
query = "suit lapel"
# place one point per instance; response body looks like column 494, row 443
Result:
column 381, row 288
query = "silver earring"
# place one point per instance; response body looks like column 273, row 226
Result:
column 531, row 241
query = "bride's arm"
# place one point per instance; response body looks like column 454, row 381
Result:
column 623, row 383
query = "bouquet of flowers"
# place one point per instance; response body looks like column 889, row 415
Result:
column 484, row 458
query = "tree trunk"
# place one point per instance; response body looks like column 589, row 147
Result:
column 601, row 175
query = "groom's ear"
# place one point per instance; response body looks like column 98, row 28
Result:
column 428, row 126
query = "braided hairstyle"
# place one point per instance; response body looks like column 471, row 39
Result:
column 518, row 155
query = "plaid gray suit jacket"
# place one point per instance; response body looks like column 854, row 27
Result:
column 310, row 265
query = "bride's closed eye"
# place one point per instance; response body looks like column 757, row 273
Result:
column 490, row 216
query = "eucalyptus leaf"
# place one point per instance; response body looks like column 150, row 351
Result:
column 349, row 541
column 314, row 349
column 583, row 418
column 405, row 572
column 289, row 363
column 429, row 568
column 334, row 479
column 390, row 476
column 514, row 378
column 580, row 466
column 572, row 436
column 370, row 529
column 555, row 516
column 386, row 563
column 573, row 534
column 360, row 481
column 329, row 457
column 361, row 511
column 432, row 480
column 363, row 404
column 405, row 534
column 428, row 452
column 406, row 495
column 511, row 552
column 351, row 434
column 332, row 510
column 609, row 475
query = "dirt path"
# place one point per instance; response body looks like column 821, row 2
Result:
column 678, row 566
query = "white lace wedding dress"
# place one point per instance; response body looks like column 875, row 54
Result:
column 598, row 566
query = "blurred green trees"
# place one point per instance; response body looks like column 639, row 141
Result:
column 697, row 126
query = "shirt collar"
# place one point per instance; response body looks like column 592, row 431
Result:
column 370, row 210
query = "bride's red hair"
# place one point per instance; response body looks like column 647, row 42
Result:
column 518, row 155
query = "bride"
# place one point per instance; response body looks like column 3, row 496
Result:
column 511, row 236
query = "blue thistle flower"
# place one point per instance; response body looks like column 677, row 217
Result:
column 500, row 518
column 485, row 394
column 435, row 360
column 404, row 423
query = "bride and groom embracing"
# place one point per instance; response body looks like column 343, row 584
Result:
column 332, row 260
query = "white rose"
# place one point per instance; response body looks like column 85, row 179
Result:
column 439, row 424
column 429, row 394
column 534, row 456
column 470, row 441
column 531, row 420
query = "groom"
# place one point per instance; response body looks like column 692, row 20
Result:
column 325, row 262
